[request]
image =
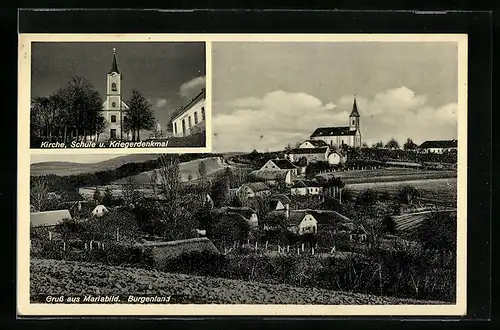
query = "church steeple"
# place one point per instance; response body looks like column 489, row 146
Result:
column 114, row 66
column 354, row 112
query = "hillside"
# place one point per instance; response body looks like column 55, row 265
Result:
column 55, row 277
column 69, row 168
column 185, row 170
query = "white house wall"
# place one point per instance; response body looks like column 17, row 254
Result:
column 190, row 114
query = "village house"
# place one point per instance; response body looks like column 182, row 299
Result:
column 99, row 211
column 253, row 189
column 279, row 165
column 246, row 212
column 306, row 187
column 309, row 144
column 273, row 178
column 311, row 155
column 191, row 118
column 343, row 135
column 297, row 222
column 438, row 147
column 279, row 202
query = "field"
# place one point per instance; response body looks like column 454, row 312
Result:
column 440, row 191
column 408, row 222
column 391, row 175
column 185, row 170
column 52, row 277
column 69, row 168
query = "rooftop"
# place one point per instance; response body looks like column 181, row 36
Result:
column 439, row 144
column 333, row 131
column 48, row 218
column 302, row 151
column 283, row 164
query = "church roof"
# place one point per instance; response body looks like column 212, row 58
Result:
column 354, row 112
column 114, row 65
column 333, row 131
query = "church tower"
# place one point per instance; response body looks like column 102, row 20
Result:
column 354, row 124
column 114, row 107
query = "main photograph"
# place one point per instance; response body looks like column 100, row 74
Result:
column 117, row 94
column 332, row 181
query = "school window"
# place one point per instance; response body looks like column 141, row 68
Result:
column 113, row 118
column 175, row 128
column 196, row 118
column 112, row 133
column 203, row 113
column 189, row 121
column 113, row 87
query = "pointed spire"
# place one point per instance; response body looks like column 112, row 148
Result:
column 354, row 112
column 114, row 66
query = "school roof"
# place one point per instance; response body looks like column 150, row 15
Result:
column 303, row 151
column 196, row 99
column 439, row 144
column 283, row 164
column 333, row 131
column 316, row 143
column 48, row 218
column 257, row 186
column 174, row 249
column 269, row 175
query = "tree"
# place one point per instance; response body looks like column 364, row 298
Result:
column 392, row 144
column 409, row 145
column 388, row 224
column 407, row 194
column 439, row 231
column 202, row 174
column 366, row 198
column 378, row 145
column 316, row 167
column 220, row 190
column 107, row 199
column 288, row 148
column 38, row 194
column 97, row 196
column 169, row 185
column 140, row 115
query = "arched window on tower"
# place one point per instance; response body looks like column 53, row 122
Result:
column 113, row 118
column 113, row 87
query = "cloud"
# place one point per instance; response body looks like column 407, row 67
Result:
column 279, row 118
column 192, row 87
column 160, row 103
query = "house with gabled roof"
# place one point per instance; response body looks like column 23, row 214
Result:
column 273, row 178
column 438, row 146
column 253, row 189
column 279, row 202
column 312, row 144
column 297, row 222
column 246, row 212
column 341, row 135
column 279, row 165
column 306, row 187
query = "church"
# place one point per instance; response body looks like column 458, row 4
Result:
column 114, row 108
column 341, row 135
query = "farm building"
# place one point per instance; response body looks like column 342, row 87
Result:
column 165, row 251
column 279, row 202
column 303, row 187
column 99, row 211
column 297, row 222
column 439, row 146
column 312, row 144
column 331, row 220
column 273, row 178
column 248, row 213
column 279, row 164
column 345, row 135
column 253, row 189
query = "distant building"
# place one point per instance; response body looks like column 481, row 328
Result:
column 297, row 222
column 191, row 118
column 439, row 146
column 303, row 187
column 246, row 212
column 311, row 151
column 99, row 211
column 344, row 135
column 279, row 202
column 273, row 178
column 279, row 164
column 253, row 189
column 312, row 144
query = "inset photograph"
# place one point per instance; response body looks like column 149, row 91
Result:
column 117, row 95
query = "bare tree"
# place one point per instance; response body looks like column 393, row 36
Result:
column 38, row 194
column 169, row 184
column 129, row 190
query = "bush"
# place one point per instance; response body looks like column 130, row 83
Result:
column 367, row 197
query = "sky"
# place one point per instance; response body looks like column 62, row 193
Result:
column 267, row 95
column 168, row 74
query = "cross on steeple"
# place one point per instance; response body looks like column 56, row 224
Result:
column 114, row 66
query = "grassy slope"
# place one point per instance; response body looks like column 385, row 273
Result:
column 54, row 277
column 68, row 168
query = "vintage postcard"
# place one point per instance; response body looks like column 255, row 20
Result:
column 335, row 183
column 93, row 91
